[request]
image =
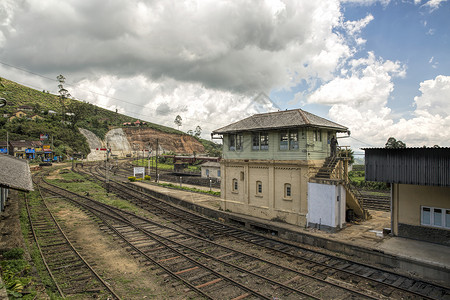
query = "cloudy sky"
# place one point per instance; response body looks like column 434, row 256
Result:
column 379, row 67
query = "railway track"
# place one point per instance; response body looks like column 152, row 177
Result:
column 359, row 277
column 70, row 272
column 377, row 202
column 208, row 268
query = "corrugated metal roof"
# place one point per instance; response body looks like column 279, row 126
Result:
column 419, row 166
column 15, row 173
column 280, row 120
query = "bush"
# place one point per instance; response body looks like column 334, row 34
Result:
column 147, row 177
column 132, row 178
column 16, row 253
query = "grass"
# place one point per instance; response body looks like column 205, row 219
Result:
column 36, row 259
column 76, row 183
column 170, row 185
column 162, row 166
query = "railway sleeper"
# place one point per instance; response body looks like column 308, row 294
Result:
column 68, row 266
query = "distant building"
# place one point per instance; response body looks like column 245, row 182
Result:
column 3, row 147
column 17, row 148
column 36, row 117
column 18, row 114
column 26, row 108
column 269, row 168
column 210, row 169
column 420, row 190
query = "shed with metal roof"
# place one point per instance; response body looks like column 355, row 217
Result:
column 420, row 190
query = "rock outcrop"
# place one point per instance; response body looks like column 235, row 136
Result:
column 123, row 141
column 118, row 142
column 144, row 138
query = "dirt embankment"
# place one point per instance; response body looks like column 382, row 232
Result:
column 146, row 138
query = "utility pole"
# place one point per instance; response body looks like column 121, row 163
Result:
column 7, row 143
column 157, row 148
column 106, row 168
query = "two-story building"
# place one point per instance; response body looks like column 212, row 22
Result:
column 268, row 162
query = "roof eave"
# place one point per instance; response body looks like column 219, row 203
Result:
column 338, row 129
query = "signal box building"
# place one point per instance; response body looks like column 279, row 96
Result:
column 270, row 162
column 420, row 190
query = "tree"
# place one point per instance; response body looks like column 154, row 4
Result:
column 63, row 94
column 198, row 131
column 178, row 121
column 349, row 154
column 392, row 143
column 79, row 111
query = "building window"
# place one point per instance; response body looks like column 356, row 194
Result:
column 284, row 140
column 235, row 185
column 260, row 141
column 287, row 190
column 435, row 217
column 293, row 140
column 258, row 187
column 207, row 172
column 317, row 135
column 426, row 216
column 289, row 140
column 447, row 218
column 235, row 142
column 218, row 173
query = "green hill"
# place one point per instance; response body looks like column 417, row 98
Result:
column 66, row 137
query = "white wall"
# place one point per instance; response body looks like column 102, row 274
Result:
column 323, row 205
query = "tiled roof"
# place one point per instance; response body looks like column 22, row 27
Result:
column 26, row 144
column 280, row 120
column 15, row 173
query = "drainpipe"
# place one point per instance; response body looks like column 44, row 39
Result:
column 339, row 206
column 392, row 208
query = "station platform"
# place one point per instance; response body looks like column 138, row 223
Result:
column 362, row 241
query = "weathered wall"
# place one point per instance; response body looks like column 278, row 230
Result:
column 324, row 207
column 271, row 203
column 407, row 200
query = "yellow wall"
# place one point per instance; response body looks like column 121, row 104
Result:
column 408, row 199
column 271, row 203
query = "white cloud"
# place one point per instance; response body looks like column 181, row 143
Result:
column 360, row 102
column 434, row 64
column 366, row 85
column 163, row 100
column 368, row 2
column 432, row 4
column 435, row 97
column 160, row 54
column 244, row 46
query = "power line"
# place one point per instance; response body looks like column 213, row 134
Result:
column 362, row 141
column 99, row 94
